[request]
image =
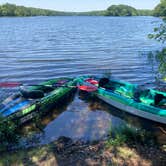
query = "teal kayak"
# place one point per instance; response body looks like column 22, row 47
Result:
column 34, row 98
column 131, row 98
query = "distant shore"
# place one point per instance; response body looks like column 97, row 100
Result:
column 114, row 10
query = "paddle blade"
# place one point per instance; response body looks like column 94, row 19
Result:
column 87, row 88
column 92, row 81
column 9, row 84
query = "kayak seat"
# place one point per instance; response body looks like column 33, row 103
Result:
column 34, row 94
column 144, row 96
column 108, row 85
column 151, row 98
column 46, row 89
column 103, row 82
column 159, row 99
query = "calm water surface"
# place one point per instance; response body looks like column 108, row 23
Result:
column 35, row 49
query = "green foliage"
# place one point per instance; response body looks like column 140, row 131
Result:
column 121, row 10
column 115, row 10
column 124, row 10
column 8, row 133
column 159, row 33
column 13, row 10
column 160, row 58
column 145, row 12
column 91, row 13
column 129, row 135
column 118, row 140
column 160, row 9
column 139, row 136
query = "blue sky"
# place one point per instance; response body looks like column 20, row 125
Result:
column 82, row 5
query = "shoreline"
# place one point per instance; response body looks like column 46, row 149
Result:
column 64, row 151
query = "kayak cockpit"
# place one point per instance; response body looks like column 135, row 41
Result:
column 136, row 93
column 41, row 90
column 35, row 93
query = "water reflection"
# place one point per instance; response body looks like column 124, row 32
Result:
column 38, row 124
column 43, row 48
column 88, row 119
column 156, row 129
column 81, row 121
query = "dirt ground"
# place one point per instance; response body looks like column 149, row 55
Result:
column 64, row 152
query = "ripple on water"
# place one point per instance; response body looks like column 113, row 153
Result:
column 40, row 48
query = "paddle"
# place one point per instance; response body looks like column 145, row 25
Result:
column 15, row 84
column 87, row 88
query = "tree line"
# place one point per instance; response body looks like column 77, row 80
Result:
column 13, row 10
column 114, row 10
column 160, row 9
column 125, row 10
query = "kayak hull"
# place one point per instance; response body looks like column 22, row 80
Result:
column 132, row 110
column 22, row 109
column 122, row 96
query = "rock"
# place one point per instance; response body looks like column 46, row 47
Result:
column 64, row 140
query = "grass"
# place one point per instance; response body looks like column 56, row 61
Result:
column 119, row 151
column 9, row 134
column 33, row 156
column 125, row 146
column 130, row 135
column 132, row 146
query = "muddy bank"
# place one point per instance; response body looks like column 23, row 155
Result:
column 64, row 151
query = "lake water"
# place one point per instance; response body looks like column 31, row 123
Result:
column 35, row 49
column 40, row 48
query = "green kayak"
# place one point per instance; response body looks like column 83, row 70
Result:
column 36, row 98
column 145, row 103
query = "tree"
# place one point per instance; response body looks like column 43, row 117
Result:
column 13, row 10
column 160, row 32
column 144, row 12
column 160, row 9
column 114, row 10
column 160, row 35
column 7, row 9
column 121, row 10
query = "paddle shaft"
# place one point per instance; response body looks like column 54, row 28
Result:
column 81, row 87
column 15, row 84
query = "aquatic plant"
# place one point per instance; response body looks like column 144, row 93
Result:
column 129, row 135
column 9, row 134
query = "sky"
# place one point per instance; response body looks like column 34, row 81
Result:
column 82, row 5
